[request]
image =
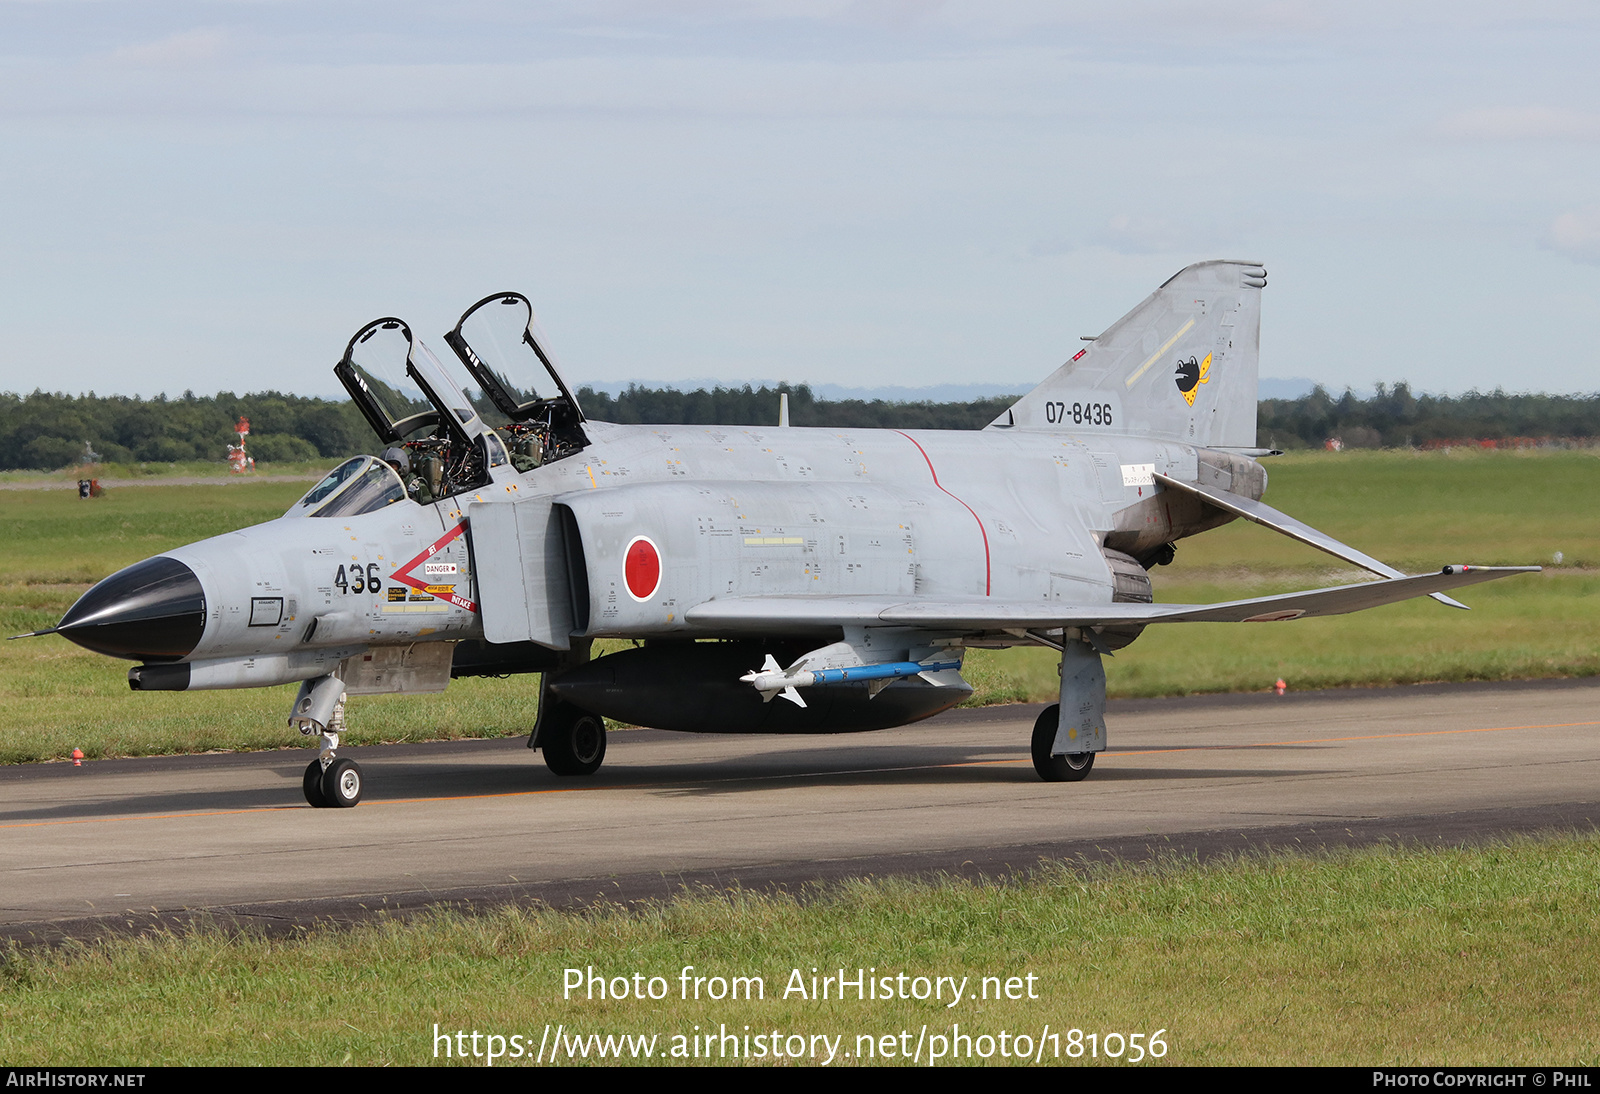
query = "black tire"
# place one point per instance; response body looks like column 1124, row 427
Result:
column 312, row 785
column 342, row 784
column 1056, row 769
column 575, row 745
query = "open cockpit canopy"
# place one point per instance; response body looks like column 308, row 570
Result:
column 410, row 401
column 400, row 386
column 444, row 444
column 501, row 345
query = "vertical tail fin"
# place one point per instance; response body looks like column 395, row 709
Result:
column 1181, row 366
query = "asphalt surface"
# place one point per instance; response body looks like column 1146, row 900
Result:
column 127, row 844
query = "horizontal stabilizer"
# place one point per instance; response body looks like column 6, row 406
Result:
column 1268, row 517
column 769, row 614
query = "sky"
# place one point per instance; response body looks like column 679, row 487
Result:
column 216, row 194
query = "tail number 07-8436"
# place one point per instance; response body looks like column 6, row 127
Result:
column 1078, row 413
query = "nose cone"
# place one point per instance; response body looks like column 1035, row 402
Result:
column 154, row 610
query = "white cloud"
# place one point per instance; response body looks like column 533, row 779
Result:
column 1577, row 234
column 1127, row 234
column 1523, row 123
column 192, row 47
column 894, row 14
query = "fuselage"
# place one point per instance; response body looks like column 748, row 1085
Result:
column 1013, row 514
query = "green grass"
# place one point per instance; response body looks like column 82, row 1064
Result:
column 1416, row 957
column 1417, row 511
column 54, row 537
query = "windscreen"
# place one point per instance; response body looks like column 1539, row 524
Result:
column 359, row 485
column 334, row 480
column 377, row 486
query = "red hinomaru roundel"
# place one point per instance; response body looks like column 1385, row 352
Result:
column 641, row 568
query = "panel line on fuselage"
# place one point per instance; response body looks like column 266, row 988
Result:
column 987, row 583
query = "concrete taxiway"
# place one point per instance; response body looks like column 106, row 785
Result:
column 129, row 842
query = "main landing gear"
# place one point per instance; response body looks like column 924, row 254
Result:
column 1064, row 745
column 330, row 782
column 572, row 739
column 1070, row 768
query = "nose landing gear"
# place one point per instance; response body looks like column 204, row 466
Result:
column 329, row 782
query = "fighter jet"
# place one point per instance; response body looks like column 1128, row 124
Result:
column 783, row 580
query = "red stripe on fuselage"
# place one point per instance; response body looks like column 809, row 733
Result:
column 987, row 582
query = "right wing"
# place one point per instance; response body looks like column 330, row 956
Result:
column 765, row 614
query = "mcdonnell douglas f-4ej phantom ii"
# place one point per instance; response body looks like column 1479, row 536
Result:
column 781, row 580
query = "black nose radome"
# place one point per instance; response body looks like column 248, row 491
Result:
column 154, row 610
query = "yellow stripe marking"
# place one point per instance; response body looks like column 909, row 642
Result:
column 592, row 484
column 1144, row 368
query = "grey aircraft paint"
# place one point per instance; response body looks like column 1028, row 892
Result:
column 731, row 553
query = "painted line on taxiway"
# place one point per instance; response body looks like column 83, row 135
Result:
column 801, row 775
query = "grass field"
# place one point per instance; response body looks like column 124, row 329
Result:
column 219, row 470
column 1465, row 957
column 1414, row 511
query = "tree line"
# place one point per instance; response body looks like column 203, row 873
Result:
column 1397, row 418
column 44, row 431
column 47, row 431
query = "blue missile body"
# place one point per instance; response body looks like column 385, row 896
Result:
column 890, row 671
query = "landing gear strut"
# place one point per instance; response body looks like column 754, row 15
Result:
column 329, row 782
column 1069, row 733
